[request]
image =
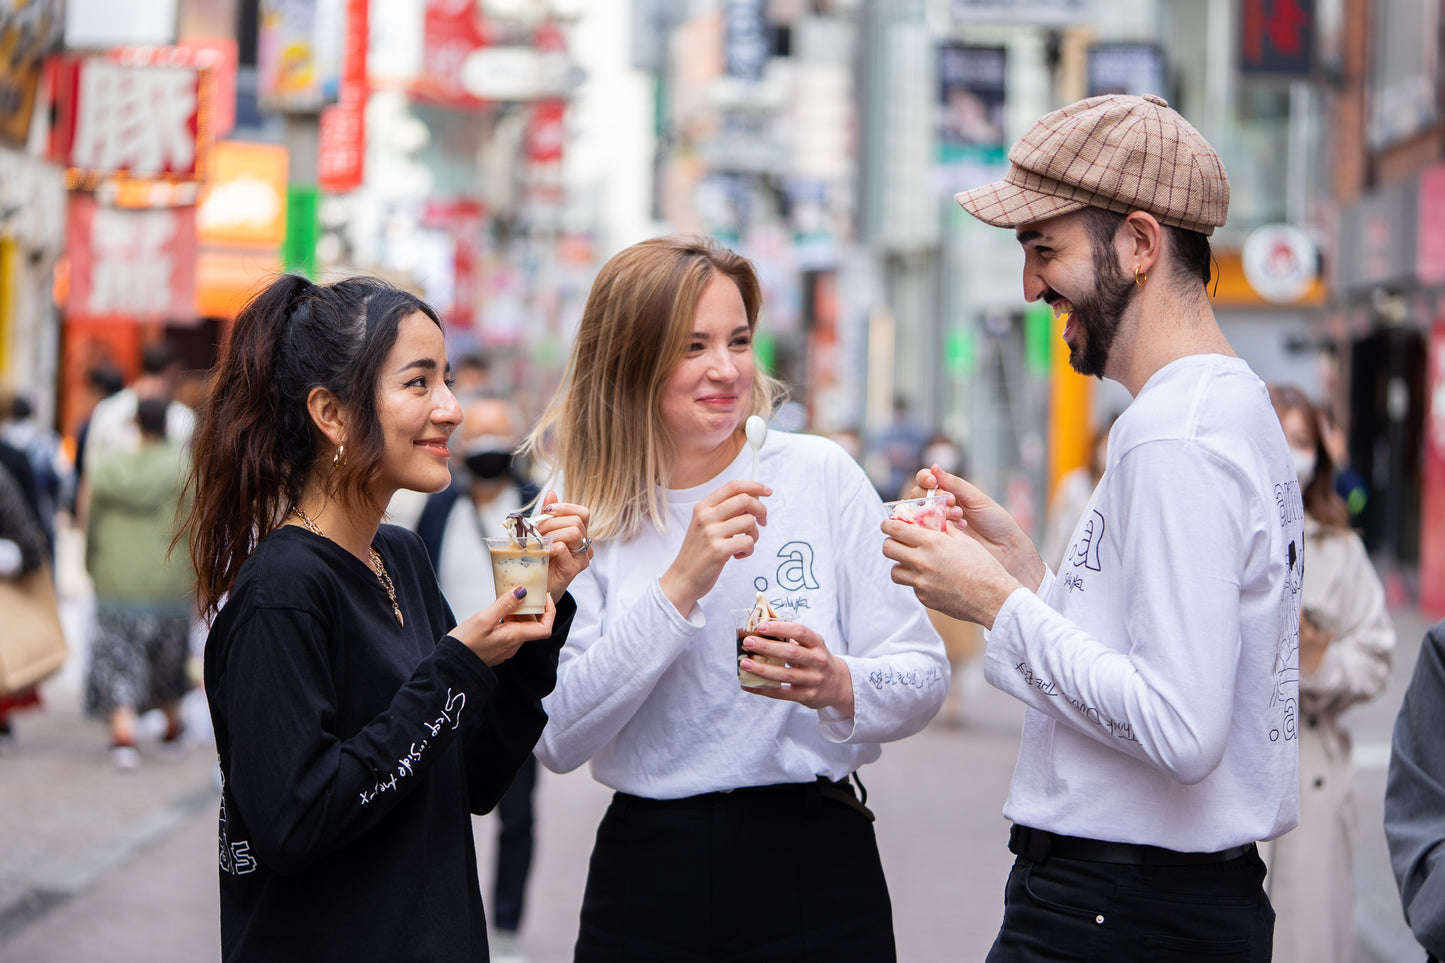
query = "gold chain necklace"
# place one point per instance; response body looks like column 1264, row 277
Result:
column 377, row 565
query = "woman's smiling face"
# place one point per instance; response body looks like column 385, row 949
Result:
column 416, row 409
column 706, row 396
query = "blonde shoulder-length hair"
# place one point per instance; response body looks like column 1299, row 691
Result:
column 603, row 429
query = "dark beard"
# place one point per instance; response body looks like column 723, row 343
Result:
column 1099, row 313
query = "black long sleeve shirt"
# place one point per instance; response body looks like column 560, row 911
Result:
column 353, row 751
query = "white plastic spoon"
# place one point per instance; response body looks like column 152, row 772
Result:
column 757, row 431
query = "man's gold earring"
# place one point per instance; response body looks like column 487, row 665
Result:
column 1140, row 277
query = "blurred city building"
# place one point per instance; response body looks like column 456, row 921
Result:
column 158, row 158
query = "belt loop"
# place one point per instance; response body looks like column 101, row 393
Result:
column 862, row 789
column 813, row 798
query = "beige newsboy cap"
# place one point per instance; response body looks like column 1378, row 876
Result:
column 1118, row 152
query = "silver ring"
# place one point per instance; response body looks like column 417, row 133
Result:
column 586, row 544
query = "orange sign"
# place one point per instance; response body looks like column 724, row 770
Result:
column 243, row 202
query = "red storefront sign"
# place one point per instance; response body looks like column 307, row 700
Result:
column 1432, row 496
column 138, row 265
column 146, row 120
column 452, row 31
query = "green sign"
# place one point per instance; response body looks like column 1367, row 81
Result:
column 960, row 352
column 298, row 253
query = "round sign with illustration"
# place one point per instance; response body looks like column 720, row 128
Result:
column 1280, row 262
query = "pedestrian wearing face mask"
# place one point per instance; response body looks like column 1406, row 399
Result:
column 452, row 525
column 1346, row 642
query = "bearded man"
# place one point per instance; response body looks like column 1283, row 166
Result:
column 1160, row 664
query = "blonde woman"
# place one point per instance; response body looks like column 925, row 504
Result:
column 1346, row 644
column 730, row 803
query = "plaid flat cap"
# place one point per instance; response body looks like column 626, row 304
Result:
column 1118, row 152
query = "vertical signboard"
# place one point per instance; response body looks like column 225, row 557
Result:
column 1432, row 470
column 341, row 152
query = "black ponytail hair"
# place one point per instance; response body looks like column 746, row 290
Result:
column 255, row 445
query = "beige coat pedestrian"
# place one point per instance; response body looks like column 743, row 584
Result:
column 1311, row 876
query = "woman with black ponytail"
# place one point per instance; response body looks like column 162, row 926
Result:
column 358, row 723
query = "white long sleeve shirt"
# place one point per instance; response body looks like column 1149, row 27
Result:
column 1161, row 664
column 652, row 697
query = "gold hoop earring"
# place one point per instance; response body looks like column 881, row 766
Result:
column 1141, row 277
column 338, row 460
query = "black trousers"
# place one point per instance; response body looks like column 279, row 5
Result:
column 769, row 873
column 514, row 848
column 1061, row 909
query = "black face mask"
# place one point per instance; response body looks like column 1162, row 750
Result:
column 489, row 465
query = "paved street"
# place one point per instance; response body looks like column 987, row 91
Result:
column 120, row 867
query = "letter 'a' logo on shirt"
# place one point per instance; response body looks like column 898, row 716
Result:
column 796, row 570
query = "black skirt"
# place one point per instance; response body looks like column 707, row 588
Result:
column 788, row 873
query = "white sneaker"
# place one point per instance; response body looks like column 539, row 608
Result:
column 505, row 948
column 124, row 758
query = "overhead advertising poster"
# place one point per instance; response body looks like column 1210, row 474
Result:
column 298, row 54
column 1125, row 68
column 145, row 120
column 972, row 91
column 29, row 29
column 138, row 265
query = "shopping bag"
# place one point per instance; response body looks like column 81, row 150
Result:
column 32, row 642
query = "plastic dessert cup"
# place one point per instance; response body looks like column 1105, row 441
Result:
column 523, row 563
column 746, row 678
column 926, row 512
